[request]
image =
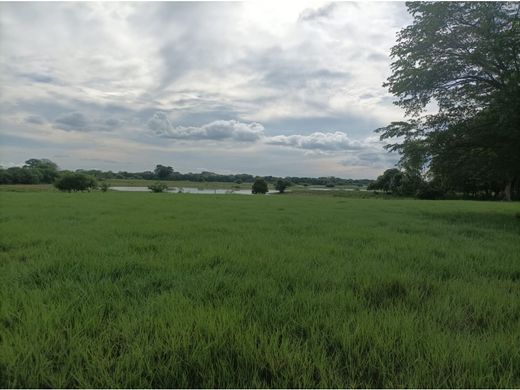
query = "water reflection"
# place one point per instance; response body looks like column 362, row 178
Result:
column 190, row 190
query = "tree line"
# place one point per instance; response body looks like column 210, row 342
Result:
column 44, row 171
column 463, row 59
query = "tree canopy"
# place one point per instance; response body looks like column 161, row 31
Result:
column 70, row 181
column 259, row 186
column 463, row 58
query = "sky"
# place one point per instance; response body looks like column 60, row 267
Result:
column 266, row 88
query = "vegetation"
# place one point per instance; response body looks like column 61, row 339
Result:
column 158, row 187
column 69, row 181
column 281, row 186
column 135, row 290
column 260, row 186
column 29, row 175
column 34, row 171
column 104, row 186
column 464, row 56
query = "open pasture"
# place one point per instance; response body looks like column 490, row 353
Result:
column 177, row 290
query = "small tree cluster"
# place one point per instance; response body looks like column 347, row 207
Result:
column 69, row 181
column 281, row 186
column 260, row 186
column 34, row 171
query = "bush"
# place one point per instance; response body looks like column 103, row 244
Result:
column 428, row 190
column 158, row 187
column 259, row 187
column 281, row 185
column 104, row 186
column 69, row 181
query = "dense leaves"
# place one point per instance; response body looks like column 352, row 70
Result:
column 463, row 58
column 69, row 181
column 33, row 172
column 259, row 187
column 281, row 185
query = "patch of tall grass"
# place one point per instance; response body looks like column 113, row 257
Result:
column 166, row 290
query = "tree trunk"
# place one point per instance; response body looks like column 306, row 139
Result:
column 507, row 191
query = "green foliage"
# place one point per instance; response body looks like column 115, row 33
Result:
column 33, row 172
column 158, row 187
column 163, row 173
column 464, row 56
column 48, row 169
column 281, row 186
column 17, row 175
column 104, row 186
column 127, row 290
column 260, row 186
column 69, row 181
column 394, row 181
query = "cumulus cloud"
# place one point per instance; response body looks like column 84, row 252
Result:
column 318, row 141
column 160, row 125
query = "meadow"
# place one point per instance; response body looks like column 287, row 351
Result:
column 177, row 290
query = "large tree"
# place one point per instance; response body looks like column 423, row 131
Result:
column 163, row 172
column 463, row 60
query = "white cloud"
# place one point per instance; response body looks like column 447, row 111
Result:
column 216, row 130
column 200, row 72
column 337, row 141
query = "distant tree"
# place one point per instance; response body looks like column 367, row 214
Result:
column 281, row 185
column 18, row 175
column 69, row 181
column 260, row 186
column 104, row 186
column 387, row 181
column 48, row 169
column 162, row 172
column 158, row 187
column 5, row 178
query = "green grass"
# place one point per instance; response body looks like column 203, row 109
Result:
column 177, row 290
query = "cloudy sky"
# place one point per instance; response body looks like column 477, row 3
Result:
column 259, row 87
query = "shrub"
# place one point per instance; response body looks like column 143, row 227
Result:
column 259, row 187
column 281, row 185
column 158, row 187
column 104, row 186
column 69, row 181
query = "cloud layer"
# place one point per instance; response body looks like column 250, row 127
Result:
column 289, row 81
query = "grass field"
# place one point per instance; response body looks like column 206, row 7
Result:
column 177, row 290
